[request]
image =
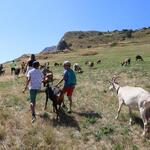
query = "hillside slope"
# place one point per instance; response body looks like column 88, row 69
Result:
column 91, row 39
column 92, row 125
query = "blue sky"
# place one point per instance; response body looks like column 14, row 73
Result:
column 28, row 26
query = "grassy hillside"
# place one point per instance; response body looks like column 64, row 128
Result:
column 91, row 126
column 91, row 39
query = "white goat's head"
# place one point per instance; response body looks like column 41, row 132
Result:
column 111, row 87
column 112, row 82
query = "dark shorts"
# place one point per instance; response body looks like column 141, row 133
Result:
column 68, row 90
column 13, row 69
column 33, row 94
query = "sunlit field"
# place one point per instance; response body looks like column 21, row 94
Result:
column 91, row 126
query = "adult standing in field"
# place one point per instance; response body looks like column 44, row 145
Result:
column 23, row 67
column 2, row 71
column 34, row 82
column 1, row 67
column 13, row 67
column 69, row 79
column 29, row 64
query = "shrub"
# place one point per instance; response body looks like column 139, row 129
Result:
column 89, row 46
column 129, row 33
column 117, row 147
column 100, row 33
column 2, row 133
column 48, row 136
column 113, row 44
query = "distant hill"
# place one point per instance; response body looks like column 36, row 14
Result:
column 74, row 40
column 90, row 39
column 49, row 49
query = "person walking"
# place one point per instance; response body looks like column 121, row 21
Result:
column 29, row 64
column 13, row 67
column 69, row 79
column 34, row 82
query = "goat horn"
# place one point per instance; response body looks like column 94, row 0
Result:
column 114, row 78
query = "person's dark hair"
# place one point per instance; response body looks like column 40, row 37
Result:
column 32, row 56
column 36, row 64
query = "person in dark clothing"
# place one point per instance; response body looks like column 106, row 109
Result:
column 29, row 64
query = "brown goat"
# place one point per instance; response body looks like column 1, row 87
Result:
column 90, row 64
column 56, row 96
column 126, row 62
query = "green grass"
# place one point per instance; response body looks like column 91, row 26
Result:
column 92, row 124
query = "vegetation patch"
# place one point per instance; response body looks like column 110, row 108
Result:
column 104, row 131
column 48, row 136
column 89, row 53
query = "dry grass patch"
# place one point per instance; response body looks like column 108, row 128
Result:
column 89, row 53
column 2, row 133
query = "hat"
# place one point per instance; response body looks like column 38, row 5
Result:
column 35, row 64
column 67, row 63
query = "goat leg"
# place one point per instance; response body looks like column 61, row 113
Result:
column 131, row 116
column 57, row 112
column 145, row 121
column 119, row 109
column 54, row 107
column 46, row 103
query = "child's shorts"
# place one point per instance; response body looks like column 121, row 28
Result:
column 68, row 90
column 33, row 94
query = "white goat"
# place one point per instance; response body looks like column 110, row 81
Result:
column 133, row 97
column 77, row 68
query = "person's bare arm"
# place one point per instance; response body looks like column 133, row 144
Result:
column 26, row 85
column 60, row 81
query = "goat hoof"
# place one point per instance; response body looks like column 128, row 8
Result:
column 116, row 117
column 143, row 134
column 130, row 123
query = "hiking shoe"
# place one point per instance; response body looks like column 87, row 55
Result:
column 33, row 119
column 69, row 111
column 64, row 106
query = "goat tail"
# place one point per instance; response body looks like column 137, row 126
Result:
column 147, row 104
column 147, row 110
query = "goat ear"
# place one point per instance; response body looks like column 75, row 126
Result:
column 115, row 77
column 110, row 81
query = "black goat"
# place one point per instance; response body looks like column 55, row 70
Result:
column 56, row 96
column 2, row 72
column 56, row 64
column 17, row 71
column 139, row 57
column 99, row 61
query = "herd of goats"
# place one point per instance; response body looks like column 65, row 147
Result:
column 127, row 95
column 76, row 67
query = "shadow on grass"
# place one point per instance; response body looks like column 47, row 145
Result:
column 138, row 121
column 89, row 114
column 65, row 120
